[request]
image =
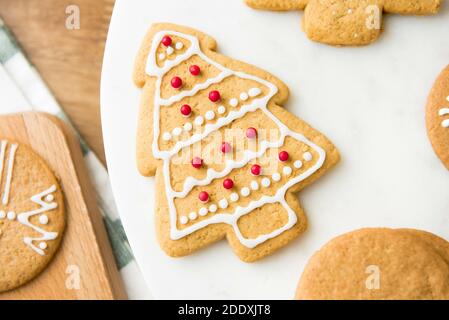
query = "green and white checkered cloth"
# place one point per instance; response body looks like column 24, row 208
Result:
column 22, row 89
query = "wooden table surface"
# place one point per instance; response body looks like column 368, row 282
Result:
column 69, row 61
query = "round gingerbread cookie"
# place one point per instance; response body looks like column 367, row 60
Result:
column 376, row 264
column 32, row 216
column 437, row 117
column 438, row 243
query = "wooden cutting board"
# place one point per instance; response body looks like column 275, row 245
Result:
column 85, row 252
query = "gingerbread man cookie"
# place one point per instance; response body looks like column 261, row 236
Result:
column 437, row 117
column 31, row 215
column 378, row 264
column 227, row 158
column 347, row 22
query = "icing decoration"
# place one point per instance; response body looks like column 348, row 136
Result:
column 199, row 120
column 177, row 131
column 186, row 110
column 167, row 41
column 261, row 103
column 444, row 112
column 193, row 216
column 283, row 156
column 203, row 211
column 221, row 110
column 203, row 196
column 2, row 214
column 214, row 96
column 244, row 96
column 228, row 183
column 251, row 133
column 266, row 182
column 245, row 192
column 170, row 51
column 10, row 169
column 307, row 156
column 254, row 185
column 223, row 203
column 234, row 197
column 42, row 246
column 197, row 162
column 287, row 171
column 256, row 170
column 276, row 177
column 194, row 70
column 43, row 219
column 179, row 45
column 213, row 208
column 166, row 136
column 11, row 215
column 226, row 147
column 161, row 56
column 188, row 126
column 210, row 115
column 176, row 82
column 184, row 220
column 297, row 164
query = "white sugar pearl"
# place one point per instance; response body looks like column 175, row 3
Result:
column 161, row 56
column 287, row 171
column 49, row 198
column 166, row 136
column 2, row 215
column 254, row 185
column 297, row 164
column 203, row 211
column 221, row 109
column 276, row 176
column 307, row 156
column 184, row 220
column 11, row 215
column 234, row 102
column 188, row 127
column 43, row 219
column 245, row 192
column 179, row 45
column 210, row 115
column 170, row 51
column 193, row 215
column 254, row 92
column 266, row 182
column 177, row 131
column 199, row 120
column 213, row 208
column 43, row 245
column 223, row 203
column 244, row 96
column 234, row 197
column 447, row 98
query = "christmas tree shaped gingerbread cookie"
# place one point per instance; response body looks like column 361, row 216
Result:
column 347, row 22
column 32, row 216
column 228, row 159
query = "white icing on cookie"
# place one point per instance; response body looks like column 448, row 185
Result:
column 210, row 115
column 245, row 192
column 444, row 112
column 179, row 45
column 221, row 110
column 153, row 69
column 254, row 185
column 233, row 102
column 203, row 211
column 213, row 208
column 297, row 164
column 244, row 96
column 10, row 169
column 307, row 156
column 223, row 203
column 193, row 215
column 287, row 171
column 276, row 177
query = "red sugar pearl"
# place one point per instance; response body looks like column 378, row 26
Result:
column 283, row 156
column 214, row 96
column 186, row 110
column 226, row 147
column 167, row 41
column 176, row 82
column 197, row 162
column 203, row 196
column 251, row 133
column 228, row 183
column 194, row 70
column 256, row 170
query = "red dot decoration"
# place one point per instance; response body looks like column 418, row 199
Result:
column 203, row 196
column 228, row 183
column 256, row 169
column 283, row 156
column 167, row 41
column 226, row 147
column 194, row 70
column 251, row 133
column 214, row 96
column 176, row 82
column 186, row 110
column 197, row 162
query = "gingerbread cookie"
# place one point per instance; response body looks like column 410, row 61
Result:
column 227, row 158
column 31, row 215
column 378, row 264
column 347, row 22
column 437, row 117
